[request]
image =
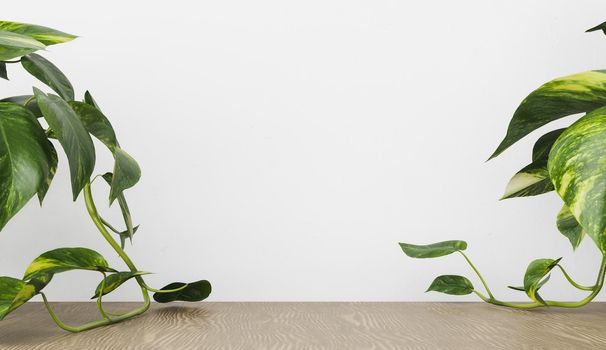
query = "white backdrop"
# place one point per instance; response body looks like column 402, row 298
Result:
column 287, row 146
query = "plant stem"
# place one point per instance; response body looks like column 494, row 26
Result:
column 576, row 285
column 164, row 290
column 29, row 99
column 479, row 275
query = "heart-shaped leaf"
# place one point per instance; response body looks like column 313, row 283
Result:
column 535, row 277
column 570, row 227
column 66, row 259
column 451, row 284
column 115, row 280
column 44, row 35
column 582, row 92
column 15, row 292
column 577, row 167
column 433, row 250
column 126, row 173
column 196, row 291
column 43, row 70
column 27, row 159
column 72, row 135
column 32, row 105
column 15, row 45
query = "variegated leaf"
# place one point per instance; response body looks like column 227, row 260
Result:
column 14, row 45
column 45, row 35
column 577, row 167
column 15, row 292
column 582, row 92
column 536, row 276
column 66, row 259
column 45, row 71
column 570, row 227
column 115, row 280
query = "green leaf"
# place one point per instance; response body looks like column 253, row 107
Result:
column 72, row 135
column 32, row 105
column 27, row 159
column 534, row 278
column 96, row 123
column 570, row 227
column 3, row 72
column 88, row 99
column 577, row 167
column 15, row 45
column 451, row 284
column 582, row 92
column 9, row 288
column 601, row 26
column 521, row 289
column 66, row 259
column 43, row 70
column 126, row 173
column 433, row 250
column 44, row 35
column 108, row 177
column 541, row 148
column 115, row 280
column 196, row 291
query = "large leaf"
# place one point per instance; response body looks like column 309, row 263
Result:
column 32, row 105
column 115, row 280
column 577, row 167
column 451, row 284
column 535, row 277
column 14, row 45
column 72, row 135
column 96, row 123
column 582, row 92
column 43, row 70
column 44, row 35
column 66, row 259
column 27, row 159
column 433, row 250
column 570, row 227
column 196, row 291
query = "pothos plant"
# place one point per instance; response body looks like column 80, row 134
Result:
column 30, row 126
column 571, row 161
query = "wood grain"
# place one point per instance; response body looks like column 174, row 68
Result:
column 312, row 326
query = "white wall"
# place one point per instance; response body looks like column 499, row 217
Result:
column 287, row 146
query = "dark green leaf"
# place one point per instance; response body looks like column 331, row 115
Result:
column 43, row 70
column 521, row 289
column 88, row 99
column 72, row 135
column 115, row 280
column 570, row 227
column 558, row 98
column 108, row 177
column 451, row 284
column 15, row 292
column 541, row 148
column 27, row 160
column 96, row 123
column 66, row 259
column 433, row 250
column 577, row 167
column 196, row 291
column 601, row 26
column 44, row 35
column 535, row 275
column 126, row 173
column 3, row 72
column 32, row 105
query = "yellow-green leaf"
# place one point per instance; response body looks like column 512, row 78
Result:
column 570, row 227
column 66, row 259
column 44, row 35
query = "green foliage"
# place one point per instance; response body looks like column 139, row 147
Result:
column 433, row 250
column 571, row 161
column 28, row 162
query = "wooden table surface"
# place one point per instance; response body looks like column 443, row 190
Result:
column 312, row 326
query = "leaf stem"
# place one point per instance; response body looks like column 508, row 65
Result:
column 99, row 306
column 479, row 275
column 164, row 290
column 576, row 285
column 29, row 99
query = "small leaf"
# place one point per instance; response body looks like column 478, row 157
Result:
column 433, row 250
column 15, row 292
column 96, row 123
column 601, row 26
column 534, row 278
column 3, row 72
column 115, row 280
column 45, row 35
column 43, row 70
column 582, row 92
column 451, row 284
column 72, row 135
column 126, row 173
column 32, row 105
column 196, row 291
column 570, row 227
column 128, row 221
column 89, row 100
column 27, row 159
column 66, row 259
column 531, row 180
column 14, row 45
